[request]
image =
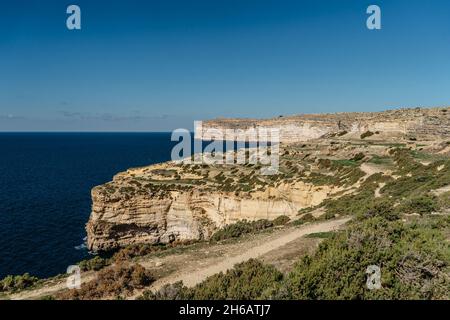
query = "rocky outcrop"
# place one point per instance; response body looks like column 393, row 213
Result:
column 423, row 124
column 119, row 219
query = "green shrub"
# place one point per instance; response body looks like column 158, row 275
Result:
column 329, row 215
column 17, row 283
column 175, row 291
column 381, row 208
column 246, row 281
column 414, row 261
column 143, row 249
column 380, row 160
column 112, row 282
column 351, row 204
column 424, row 204
column 416, row 178
column 320, row 235
column 240, row 228
column 357, row 203
column 281, row 221
column 345, row 172
column 308, row 217
column 358, row 157
column 95, row 264
column 262, row 224
column 135, row 250
column 367, row 134
column 346, row 163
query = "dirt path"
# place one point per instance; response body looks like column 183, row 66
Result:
column 378, row 189
column 442, row 190
column 370, row 169
column 193, row 274
column 196, row 264
column 445, row 150
column 48, row 289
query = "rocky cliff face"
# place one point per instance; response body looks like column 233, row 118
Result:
column 423, row 124
column 123, row 217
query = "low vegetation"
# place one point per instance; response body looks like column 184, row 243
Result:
column 240, row 228
column 408, row 193
column 94, row 264
column 115, row 281
column 414, row 259
column 17, row 283
column 343, row 172
column 246, row 281
column 367, row 134
column 320, row 235
column 281, row 221
column 423, row 204
column 444, row 200
column 136, row 250
column 307, row 217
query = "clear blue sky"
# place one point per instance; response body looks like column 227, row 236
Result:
column 158, row 65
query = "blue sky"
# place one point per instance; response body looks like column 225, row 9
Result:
column 159, row 65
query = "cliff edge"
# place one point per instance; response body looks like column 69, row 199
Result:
column 418, row 123
column 321, row 157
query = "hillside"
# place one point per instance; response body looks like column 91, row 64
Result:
column 338, row 204
column 180, row 202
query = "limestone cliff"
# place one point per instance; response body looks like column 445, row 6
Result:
column 420, row 123
column 124, row 213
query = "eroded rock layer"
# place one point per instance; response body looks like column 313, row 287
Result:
column 124, row 216
column 419, row 123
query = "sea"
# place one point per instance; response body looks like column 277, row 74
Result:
column 45, row 185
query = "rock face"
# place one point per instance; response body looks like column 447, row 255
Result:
column 119, row 219
column 423, row 124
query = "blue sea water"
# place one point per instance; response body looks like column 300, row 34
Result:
column 45, row 184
